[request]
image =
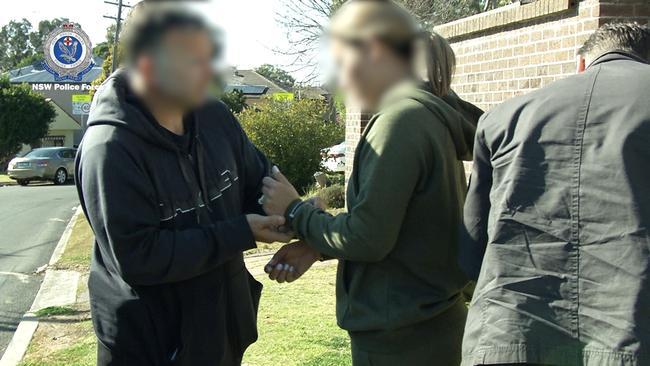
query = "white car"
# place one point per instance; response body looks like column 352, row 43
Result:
column 334, row 158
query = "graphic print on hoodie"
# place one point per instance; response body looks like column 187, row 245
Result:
column 168, row 283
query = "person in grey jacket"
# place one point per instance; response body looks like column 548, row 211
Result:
column 557, row 220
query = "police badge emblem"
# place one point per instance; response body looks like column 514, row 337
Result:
column 68, row 53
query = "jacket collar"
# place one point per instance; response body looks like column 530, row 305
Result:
column 617, row 56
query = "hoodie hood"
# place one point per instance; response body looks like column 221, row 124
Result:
column 112, row 106
column 460, row 117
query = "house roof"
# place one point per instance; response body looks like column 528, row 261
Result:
column 252, row 78
column 35, row 73
column 311, row 92
column 248, row 89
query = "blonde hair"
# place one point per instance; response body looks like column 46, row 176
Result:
column 430, row 53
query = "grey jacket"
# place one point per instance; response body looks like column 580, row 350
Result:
column 558, row 213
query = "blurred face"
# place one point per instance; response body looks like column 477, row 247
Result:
column 181, row 69
column 364, row 71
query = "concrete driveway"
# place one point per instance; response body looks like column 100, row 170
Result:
column 32, row 219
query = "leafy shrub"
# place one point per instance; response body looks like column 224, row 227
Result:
column 333, row 196
column 335, row 178
column 25, row 117
column 235, row 100
column 292, row 134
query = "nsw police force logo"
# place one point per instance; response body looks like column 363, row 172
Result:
column 68, row 53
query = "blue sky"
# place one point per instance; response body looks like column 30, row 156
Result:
column 250, row 25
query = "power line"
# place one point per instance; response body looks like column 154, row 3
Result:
column 118, row 27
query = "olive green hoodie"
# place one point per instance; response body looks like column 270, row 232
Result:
column 397, row 244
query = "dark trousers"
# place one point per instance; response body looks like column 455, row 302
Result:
column 108, row 357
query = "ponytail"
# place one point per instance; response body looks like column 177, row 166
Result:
column 440, row 61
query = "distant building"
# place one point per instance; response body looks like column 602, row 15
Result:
column 254, row 86
column 64, row 131
column 312, row 92
column 69, row 98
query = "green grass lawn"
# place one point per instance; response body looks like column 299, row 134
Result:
column 297, row 325
column 62, row 342
column 296, row 321
column 77, row 252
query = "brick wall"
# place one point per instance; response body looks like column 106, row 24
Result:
column 355, row 122
column 518, row 48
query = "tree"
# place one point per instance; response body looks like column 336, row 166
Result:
column 292, row 134
column 14, row 43
column 21, row 46
column 435, row 12
column 106, row 72
column 277, row 75
column 235, row 100
column 305, row 20
column 37, row 37
column 25, row 117
column 103, row 49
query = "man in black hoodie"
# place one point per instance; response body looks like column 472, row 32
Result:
column 170, row 185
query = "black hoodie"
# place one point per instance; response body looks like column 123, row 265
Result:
column 168, row 283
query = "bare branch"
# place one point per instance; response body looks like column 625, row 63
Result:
column 305, row 20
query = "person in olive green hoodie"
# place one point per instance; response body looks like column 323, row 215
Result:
column 399, row 286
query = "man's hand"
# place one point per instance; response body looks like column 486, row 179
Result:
column 267, row 228
column 291, row 262
column 278, row 193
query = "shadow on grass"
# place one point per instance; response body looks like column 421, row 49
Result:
column 338, row 352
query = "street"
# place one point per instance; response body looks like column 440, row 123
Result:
column 31, row 221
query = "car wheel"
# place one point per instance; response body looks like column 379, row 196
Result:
column 23, row 182
column 60, row 177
